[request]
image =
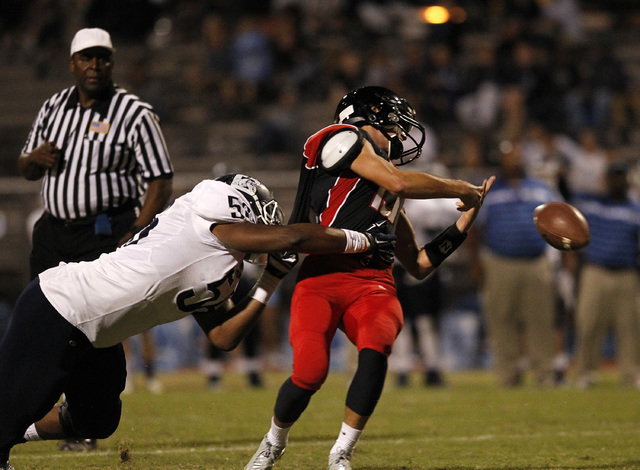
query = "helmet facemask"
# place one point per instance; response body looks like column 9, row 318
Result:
column 271, row 214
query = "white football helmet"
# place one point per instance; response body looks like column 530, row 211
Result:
column 260, row 199
column 262, row 203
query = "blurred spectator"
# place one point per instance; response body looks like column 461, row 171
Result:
column 478, row 107
column 381, row 69
column 422, row 301
column 412, row 70
column 348, row 72
column 13, row 15
column 609, row 283
column 585, row 162
column 441, row 86
column 541, row 158
column 515, row 276
column 296, row 54
column 601, row 77
column 287, row 42
column 216, row 37
column 45, row 35
column 278, row 128
column 376, row 17
column 152, row 87
column 252, row 62
column 514, row 113
column 565, row 17
column 216, row 80
column 305, row 76
column 563, row 71
column 511, row 27
column 475, row 154
column 527, row 69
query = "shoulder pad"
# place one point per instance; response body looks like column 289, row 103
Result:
column 340, row 149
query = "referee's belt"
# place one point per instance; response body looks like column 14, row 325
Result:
column 128, row 206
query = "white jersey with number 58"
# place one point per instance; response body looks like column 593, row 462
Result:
column 172, row 268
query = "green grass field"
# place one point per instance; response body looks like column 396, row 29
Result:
column 471, row 424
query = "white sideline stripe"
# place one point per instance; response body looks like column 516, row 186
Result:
column 252, row 447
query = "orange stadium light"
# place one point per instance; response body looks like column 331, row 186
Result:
column 435, row 15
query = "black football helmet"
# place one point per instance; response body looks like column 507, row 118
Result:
column 260, row 199
column 383, row 109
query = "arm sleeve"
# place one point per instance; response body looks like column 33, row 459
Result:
column 340, row 149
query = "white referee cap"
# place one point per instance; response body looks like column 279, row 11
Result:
column 91, row 37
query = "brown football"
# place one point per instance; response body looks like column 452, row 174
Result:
column 562, row 226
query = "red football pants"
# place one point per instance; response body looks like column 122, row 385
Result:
column 362, row 302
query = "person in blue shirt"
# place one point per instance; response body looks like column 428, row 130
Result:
column 514, row 274
column 609, row 282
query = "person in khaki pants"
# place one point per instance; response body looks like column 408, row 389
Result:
column 519, row 311
column 514, row 275
column 609, row 281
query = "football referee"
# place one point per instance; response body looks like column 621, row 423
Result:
column 104, row 165
column 99, row 151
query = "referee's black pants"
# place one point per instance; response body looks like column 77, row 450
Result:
column 44, row 356
column 56, row 240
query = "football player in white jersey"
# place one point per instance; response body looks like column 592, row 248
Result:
column 65, row 334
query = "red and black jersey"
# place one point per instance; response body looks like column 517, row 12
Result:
column 340, row 199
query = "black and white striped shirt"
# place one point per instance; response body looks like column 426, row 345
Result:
column 108, row 151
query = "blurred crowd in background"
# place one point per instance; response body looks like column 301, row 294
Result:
column 494, row 69
column 562, row 77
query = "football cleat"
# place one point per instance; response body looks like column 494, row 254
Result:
column 340, row 460
column 266, row 456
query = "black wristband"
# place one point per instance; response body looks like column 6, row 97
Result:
column 444, row 244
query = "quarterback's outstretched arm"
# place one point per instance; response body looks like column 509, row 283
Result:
column 417, row 260
column 410, row 184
